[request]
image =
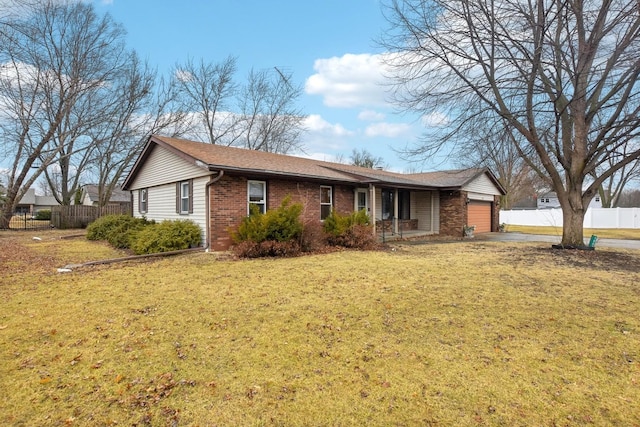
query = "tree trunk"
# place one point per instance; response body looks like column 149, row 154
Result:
column 573, row 212
column 573, row 229
column 5, row 218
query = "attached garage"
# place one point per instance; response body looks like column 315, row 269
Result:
column 479, row 214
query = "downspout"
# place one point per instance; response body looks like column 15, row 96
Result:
column 212, row 181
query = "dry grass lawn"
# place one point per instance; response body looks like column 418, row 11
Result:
column 440, row 334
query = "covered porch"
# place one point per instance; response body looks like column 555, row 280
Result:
column 399, row 212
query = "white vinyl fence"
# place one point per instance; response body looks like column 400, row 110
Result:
column 594, row 218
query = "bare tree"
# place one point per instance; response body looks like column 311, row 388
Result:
column 209, row 90
column 629, row 199
column 271, row 120
column 564, row 75
column 612, row 188
column 139, row 106
column 54, row 56
column 495, row 150
column 365, row 159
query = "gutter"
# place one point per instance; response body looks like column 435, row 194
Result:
column 212, row 181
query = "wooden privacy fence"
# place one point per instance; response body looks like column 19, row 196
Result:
column 79, row 216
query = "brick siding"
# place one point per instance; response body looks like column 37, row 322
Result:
column 453, row 212
column 228, row 203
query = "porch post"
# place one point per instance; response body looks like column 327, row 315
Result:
column 395, row 211
column 372, row 203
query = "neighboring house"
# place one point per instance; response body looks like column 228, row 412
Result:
column 550, row 200
column 31, row 203
column 90, row 196
column 214, row 186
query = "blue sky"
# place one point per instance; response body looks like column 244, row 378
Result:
column 328, row 45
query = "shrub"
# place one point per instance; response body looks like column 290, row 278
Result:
column 43, row 214
column 313, row 237
column 166, row 236
column 116, row 229
column 277, row 232
column 266, row 248
column 280, row 225
column 350, row 231
column 336, row 224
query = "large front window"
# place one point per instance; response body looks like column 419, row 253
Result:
column 326, row 201
column 388, row 204
column 257, row 196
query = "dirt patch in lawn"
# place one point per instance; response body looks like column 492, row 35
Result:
column 598, row 259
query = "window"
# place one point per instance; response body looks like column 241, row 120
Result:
column 184, row 197
column 326, row 201
column 361, row 200
column 142, row 200
column 387, row 204
column 404, row 205
column 257, row 195
column 597, row 198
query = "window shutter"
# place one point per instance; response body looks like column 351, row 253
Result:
column 178, row 197
column 139, row 201
column 191, row 196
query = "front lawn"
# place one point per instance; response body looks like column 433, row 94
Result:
column 469, row 333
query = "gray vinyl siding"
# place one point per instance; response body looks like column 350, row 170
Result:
column 164, row 167
column 423, row 211
column 435, row 200
column 422, row 201
column 481, row 188
column 161, row 172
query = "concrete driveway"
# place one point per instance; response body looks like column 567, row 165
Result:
column 521, row 237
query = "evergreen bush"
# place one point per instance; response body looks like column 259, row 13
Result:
column 166, row 236
column 116, row 229
column 276, row 232
column 350, row 231
column 43, row 215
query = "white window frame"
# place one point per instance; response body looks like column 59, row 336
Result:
column 260, row 203
column 184, row 198
column 144, row 200
column 330, row 203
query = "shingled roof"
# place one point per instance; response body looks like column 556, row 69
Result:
column 240, row 160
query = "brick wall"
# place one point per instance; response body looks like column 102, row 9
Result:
column 228, row 203
column 453, row 212
column 227, row 206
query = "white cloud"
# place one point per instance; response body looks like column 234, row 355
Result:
column 349, row 81
column 435, row 119
column 314, row 123
column 371, row 116
column 183, row 75
column 388, row 130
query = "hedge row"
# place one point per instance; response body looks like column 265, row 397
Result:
column 280, row 232
column 143, row 236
